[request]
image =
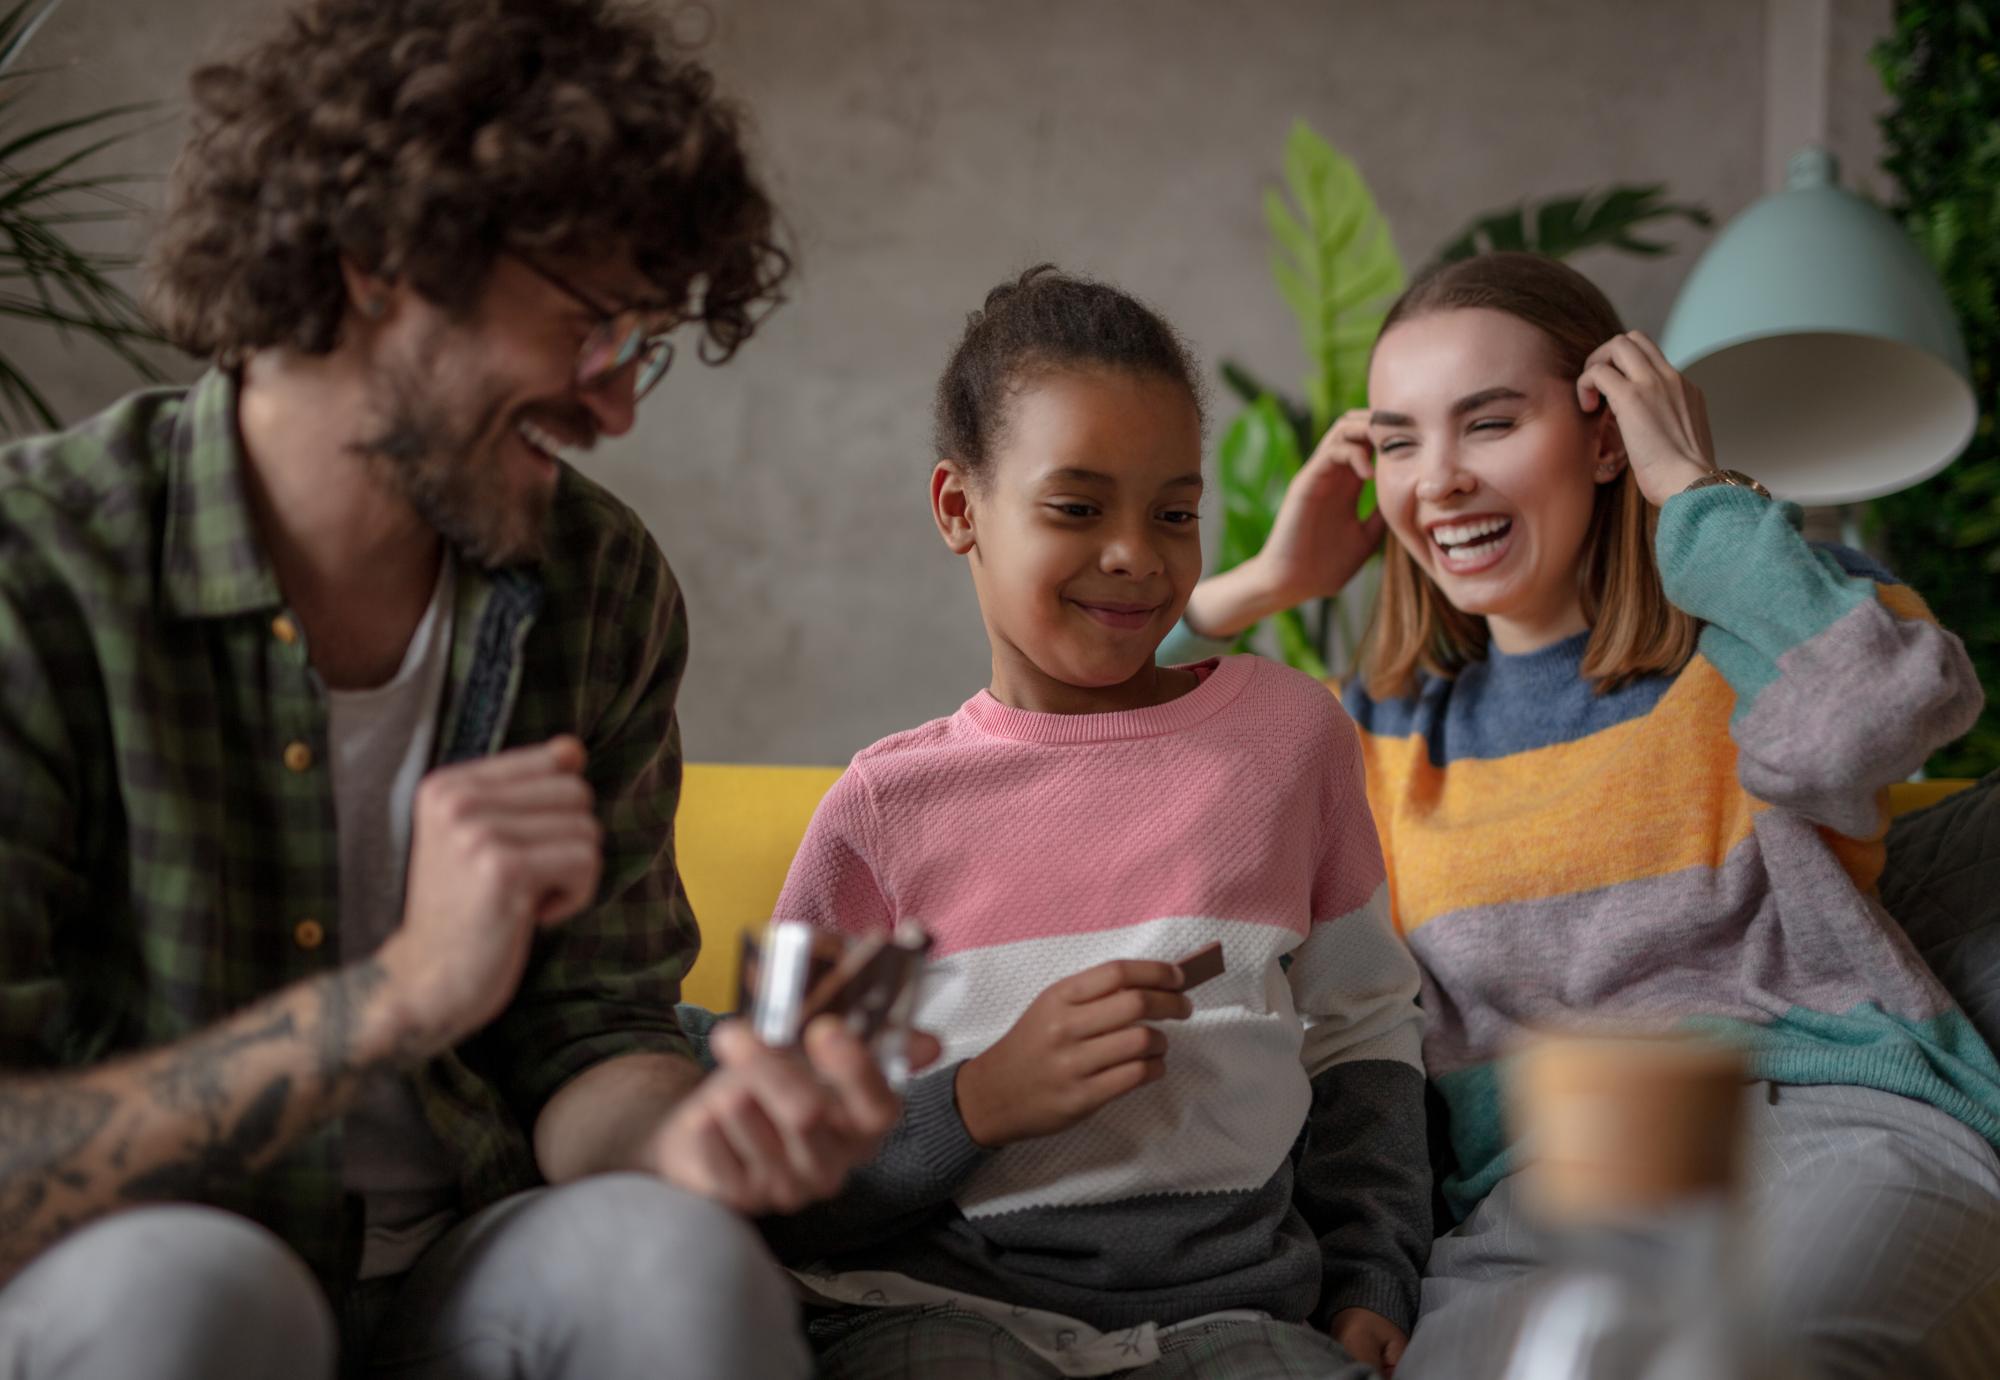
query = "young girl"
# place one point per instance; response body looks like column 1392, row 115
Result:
column 1106, row 1173
column 1628, row 738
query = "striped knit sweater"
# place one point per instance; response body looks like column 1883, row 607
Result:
column 1280, row 1163
column 1700, row 848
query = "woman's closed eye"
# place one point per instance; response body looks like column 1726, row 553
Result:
column 1492, row 425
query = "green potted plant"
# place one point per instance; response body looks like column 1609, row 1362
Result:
column 1943, row 137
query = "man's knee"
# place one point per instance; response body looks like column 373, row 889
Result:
column 169, row 1291
column 630, row 1227
column 658, row 1266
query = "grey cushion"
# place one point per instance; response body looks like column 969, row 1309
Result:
column 1942, row 882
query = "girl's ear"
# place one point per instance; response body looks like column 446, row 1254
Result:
column 951, row 506
column 1608, row 460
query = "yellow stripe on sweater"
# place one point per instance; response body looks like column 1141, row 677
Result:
column 1651, row 796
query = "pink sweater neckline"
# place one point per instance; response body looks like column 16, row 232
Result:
column 1222, row 680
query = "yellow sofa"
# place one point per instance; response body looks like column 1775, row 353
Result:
column 738, row 828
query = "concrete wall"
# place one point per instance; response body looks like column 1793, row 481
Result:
column 923, row 149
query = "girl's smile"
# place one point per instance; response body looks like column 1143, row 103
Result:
column 1113, row 614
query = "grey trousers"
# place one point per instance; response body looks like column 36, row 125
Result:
column 611, row 1277
column 170, row 1293
column 1876, row 1225
column 915, row 1343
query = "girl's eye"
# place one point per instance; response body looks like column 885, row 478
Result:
column 1075, row 510
column 1390, row 447
column 1180, row 517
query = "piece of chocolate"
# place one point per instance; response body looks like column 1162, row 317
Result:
column 1201, row 965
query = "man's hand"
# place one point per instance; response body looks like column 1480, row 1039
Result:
column 1370, row 1338
column 1080, row 1044
column 499, row 847
column 771, row 1132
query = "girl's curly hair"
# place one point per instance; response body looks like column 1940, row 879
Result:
column 422, row 138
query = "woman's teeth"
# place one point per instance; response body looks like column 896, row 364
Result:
column 1472, row 543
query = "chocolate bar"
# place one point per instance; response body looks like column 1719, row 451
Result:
column 1201, row 965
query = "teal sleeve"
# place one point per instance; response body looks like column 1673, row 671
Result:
column 1837, row 693
column 1184, row 645
column 1738, row 562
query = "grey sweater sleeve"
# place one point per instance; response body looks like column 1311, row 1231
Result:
column 921, row 1164
column 1363, row 1184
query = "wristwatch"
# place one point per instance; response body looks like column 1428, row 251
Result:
column 1735, row 479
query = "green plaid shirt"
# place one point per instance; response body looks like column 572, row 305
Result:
column 167, row 850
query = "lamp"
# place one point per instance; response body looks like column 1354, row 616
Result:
column 1832, row 364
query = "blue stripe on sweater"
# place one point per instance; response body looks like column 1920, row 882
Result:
column 1507, row 704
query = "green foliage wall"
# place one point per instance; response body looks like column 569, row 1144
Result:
column 1943, row 139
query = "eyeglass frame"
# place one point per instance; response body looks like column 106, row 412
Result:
column 636, row 340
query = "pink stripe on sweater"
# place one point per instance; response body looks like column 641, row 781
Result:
column 1242, row 800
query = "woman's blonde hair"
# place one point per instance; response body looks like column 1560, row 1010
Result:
column 1634, row 631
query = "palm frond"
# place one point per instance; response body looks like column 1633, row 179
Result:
column 45, row 190
column 1566, row 225
column 18, row 25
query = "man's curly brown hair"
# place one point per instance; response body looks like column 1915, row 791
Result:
column 422, row 138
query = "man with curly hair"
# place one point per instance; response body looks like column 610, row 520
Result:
column 340, row 913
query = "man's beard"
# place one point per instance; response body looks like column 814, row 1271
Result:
column 439, row 466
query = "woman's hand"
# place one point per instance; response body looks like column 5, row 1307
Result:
column 1661, row 416
column 1080, row 1044
column 1316, row 543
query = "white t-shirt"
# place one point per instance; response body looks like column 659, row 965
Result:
column 381, row 741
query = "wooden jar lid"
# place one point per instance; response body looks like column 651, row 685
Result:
column 1625, row 1125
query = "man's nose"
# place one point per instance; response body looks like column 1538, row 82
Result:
column 610, row 400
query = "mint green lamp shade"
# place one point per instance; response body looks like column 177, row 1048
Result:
column 1831, row 361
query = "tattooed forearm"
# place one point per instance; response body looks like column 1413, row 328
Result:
column 343, row 1003
column 197, row 1080
column 189, row 1121
column 213, row 1164
column 43, row 1126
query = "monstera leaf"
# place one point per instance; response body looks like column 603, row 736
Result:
column 1335, row 265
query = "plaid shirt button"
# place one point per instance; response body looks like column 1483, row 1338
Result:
column 298, row 757
column 285, row 630
column 309, row 934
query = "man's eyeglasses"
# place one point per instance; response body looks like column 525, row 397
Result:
column 621, row 337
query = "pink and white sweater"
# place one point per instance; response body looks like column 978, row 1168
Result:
column 1280, row 1165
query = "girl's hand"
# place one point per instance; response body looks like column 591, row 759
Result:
column 1080, row 1044
column 1370, row 1338
column 1661, row 416
column 1316, row 543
